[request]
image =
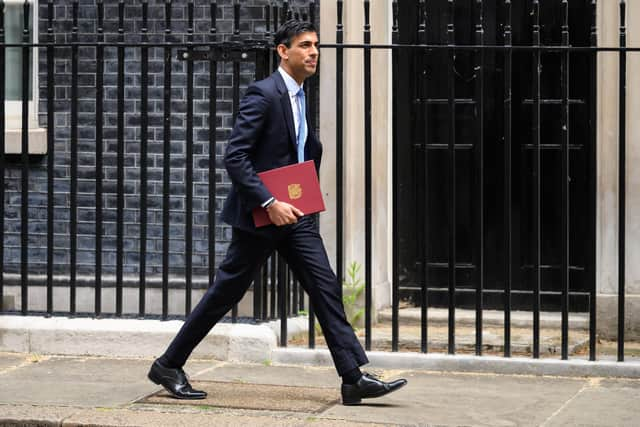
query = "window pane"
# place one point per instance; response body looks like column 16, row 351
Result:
column 13, row 22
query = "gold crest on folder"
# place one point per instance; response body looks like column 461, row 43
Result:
column 295, row 191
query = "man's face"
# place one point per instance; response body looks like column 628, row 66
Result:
column 301, row 59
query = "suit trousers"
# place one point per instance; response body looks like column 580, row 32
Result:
column 301, row 246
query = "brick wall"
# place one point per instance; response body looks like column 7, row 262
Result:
column 252, row 26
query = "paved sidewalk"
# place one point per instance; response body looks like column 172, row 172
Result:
column 91, row 391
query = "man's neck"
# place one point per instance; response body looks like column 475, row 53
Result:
column 286, row 70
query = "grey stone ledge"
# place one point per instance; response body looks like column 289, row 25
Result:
column 130, row 338
column 470, row 364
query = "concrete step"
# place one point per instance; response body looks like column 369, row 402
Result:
column 465, row 339
column 492, row 340
column 495, row 318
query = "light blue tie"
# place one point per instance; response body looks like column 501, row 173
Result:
column 302, row 125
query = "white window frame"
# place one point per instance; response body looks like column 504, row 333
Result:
column 13, row 108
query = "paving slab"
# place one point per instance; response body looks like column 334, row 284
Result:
column 599, row 403
column 255, row 396
column 147, row 418
column 467, row 400
column 81, row 382
column 276, row 375
column 89, row 391
column 31, row 415
column 11, row 360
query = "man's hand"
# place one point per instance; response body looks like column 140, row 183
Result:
column 282, row 213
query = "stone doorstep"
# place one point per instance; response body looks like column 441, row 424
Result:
column 492, row 339
column 521, row 341
column 440, row 316
column 468, row 345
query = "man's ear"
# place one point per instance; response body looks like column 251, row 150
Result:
column 282, row 51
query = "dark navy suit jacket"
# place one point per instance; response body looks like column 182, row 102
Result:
column 262, row 138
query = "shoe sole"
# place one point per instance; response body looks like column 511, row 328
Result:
column 157, row 382
column 359, row 401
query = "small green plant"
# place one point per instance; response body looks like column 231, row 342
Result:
column 352, row 288
column 35, row 358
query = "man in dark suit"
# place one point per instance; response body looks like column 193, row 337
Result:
column 271, row 131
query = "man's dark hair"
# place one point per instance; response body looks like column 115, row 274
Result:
column 290, row 29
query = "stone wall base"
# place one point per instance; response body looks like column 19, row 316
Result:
column 607, row 317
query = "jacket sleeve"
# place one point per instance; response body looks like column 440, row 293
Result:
column 244, row 137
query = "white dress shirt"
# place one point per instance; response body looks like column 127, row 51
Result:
column 293, row 88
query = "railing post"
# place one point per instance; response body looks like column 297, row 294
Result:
column 50, row 157
column 479, row 160
column 367, row 177
column 286, row 12
column 622, row 175
column 213, row 111
column 508, row 180
column 120, row 163
column 451, row 94
column 144, row 139
column 282, row 300
column 339, row 145
column 537, row 70
column 236, row 101
column 311, row 334
column 73, row 196
column 189, row 161
column 24, row 160
column 2, row 150
column 97, row 304
column 593, row 179
column 424, row 86
column 166, row 162
column 564, row 87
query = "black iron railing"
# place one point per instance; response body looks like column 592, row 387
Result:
column 235, row 51
column 276, row 293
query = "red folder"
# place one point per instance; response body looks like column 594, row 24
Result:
column 295, row 184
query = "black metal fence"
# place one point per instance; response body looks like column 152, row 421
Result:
column 125, row 151
column 276, row 294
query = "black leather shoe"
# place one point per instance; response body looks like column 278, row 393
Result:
column 174, row 381
column 368, row 386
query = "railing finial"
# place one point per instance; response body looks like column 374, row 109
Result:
column 214, row 17
column 394, row 22
column 236, row 18
column 367, row 15
column 167, row 16
column 422, row 13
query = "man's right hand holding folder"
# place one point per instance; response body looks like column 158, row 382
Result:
column 283, row 213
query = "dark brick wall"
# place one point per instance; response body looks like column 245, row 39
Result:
column 252, row 26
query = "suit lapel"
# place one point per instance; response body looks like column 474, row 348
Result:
column 286, row 108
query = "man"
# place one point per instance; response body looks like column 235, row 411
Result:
column 271, row 131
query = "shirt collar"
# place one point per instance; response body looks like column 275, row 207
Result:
column 292, row 86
